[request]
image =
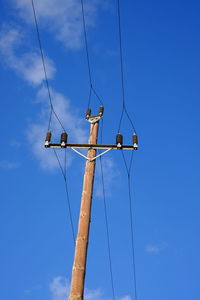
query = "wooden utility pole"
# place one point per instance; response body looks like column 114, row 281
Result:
column 80, row 256
column 79, row 266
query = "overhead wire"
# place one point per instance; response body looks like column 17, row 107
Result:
column 127, row 167
column 91, row 86
column 52, row 111
column 124, row 109
column 63, row 171
column 128, row 171
column 101, row 166
column 92, row 89
column 86, row 43
column 106, row 219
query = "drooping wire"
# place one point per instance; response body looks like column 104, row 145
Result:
column 86, row 43
column 106, row 218
column 128, row 171
column 91, row 86
column 63, row 171
column 94, row 91
column 52, row 110
column 128, row 168
column 124, row 109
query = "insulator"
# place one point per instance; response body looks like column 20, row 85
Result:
column 88, row 113
column 135, row 141
column 119, row 139
column 63, row 138
column 48, row 137
column 101, row 110
column 135, row 138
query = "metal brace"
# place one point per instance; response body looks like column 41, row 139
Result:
column 91, row 159
column 94, row 119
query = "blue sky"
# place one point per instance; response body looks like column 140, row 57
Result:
column 161, row 45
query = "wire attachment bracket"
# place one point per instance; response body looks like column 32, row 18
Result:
column 95, row 118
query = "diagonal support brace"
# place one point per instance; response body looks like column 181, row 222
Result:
column 89, row 159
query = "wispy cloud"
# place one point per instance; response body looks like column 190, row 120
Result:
column 27, row 64
column 64, row 20
column 15, row 143
column 33, row 289
column 60, row 288
column 156, row 248
column 37, row 130
column 5, row 164
column 110, row 174
column 61, row 18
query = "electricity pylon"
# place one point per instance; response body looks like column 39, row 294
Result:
column 80, row 256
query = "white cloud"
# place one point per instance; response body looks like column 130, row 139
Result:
column 61, row 17
column 15, row 143
column 110, row 173
column 156, row 248
column 33, row 289
column 60, row 288
column 9, row 165
column 27, row 64
column 37, row 130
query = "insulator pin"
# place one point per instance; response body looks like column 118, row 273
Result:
column 119, row 140
column 101, row 110
column 88, row 113
column 63, row 139
column 135, row 141
column 48, row 138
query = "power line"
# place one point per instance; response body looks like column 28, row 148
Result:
column 94, row 91
column 91, row 86
column 86, row 44
column 107, row 229
column 120, row 51
column 128, row 171
column 128, row 168
column 45, row 70
column 124, row 109
column 63, row 171
column 106, row 221
column 52, row 110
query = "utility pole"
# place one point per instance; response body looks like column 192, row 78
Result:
column 78, row 271
column 80, row 256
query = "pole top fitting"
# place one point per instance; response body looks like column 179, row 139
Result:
column 95, row 118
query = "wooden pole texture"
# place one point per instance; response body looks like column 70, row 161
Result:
column 80, row 256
